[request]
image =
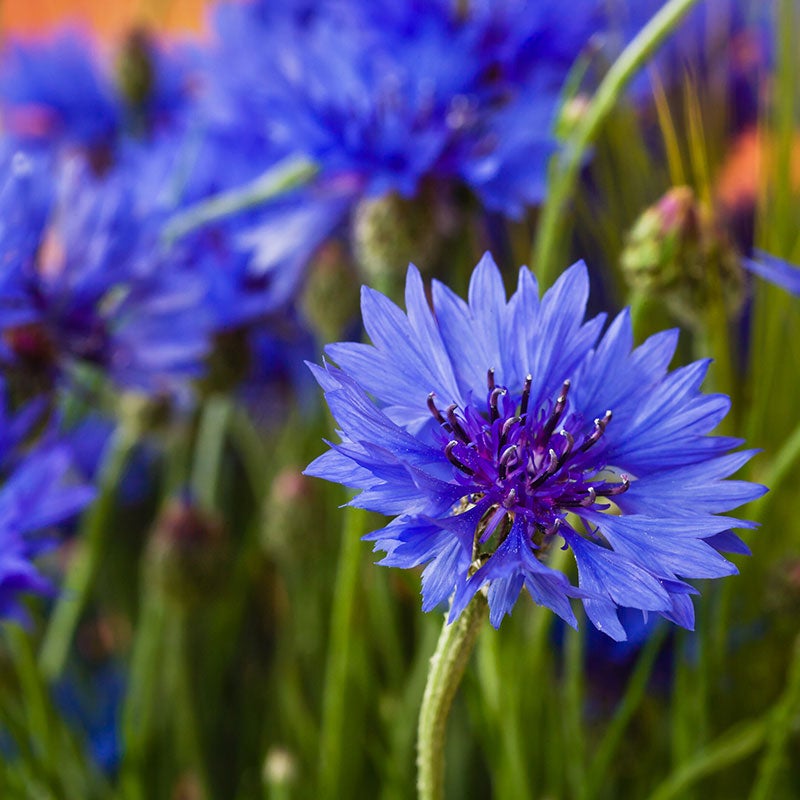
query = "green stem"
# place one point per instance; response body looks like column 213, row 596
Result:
column 89, row 550
column 286, row 175
column 336, row 673
column 783, row 718
column 446, row 670
column 631, row 700
column 209, row 449
column 544, row 258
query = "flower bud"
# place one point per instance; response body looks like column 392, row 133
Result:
column 188, row 552
column 135, row 70
column 678, row 253
column 391, row 231
column 330, row 295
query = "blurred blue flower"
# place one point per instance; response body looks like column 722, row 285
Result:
column 87, row 283
column 39, row 491
column 383, row 96
column 55, row 91
column 92, row 703
column 499, row 430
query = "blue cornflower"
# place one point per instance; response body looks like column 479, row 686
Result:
column 500, row 430
column 384, row 96
column 53, row 90
column 39, row 491
column 83, row 282
column 56, row 92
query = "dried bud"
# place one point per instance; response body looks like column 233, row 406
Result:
column 188, row 552
column 228, row 363
column 678, row 253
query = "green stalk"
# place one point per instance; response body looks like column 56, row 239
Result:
column 336, row 673
column 209, row 449
column 567, row 164
column 89, row 550
column 291, row 173
column 631, row 700
column 784, row 715
column 446, row 670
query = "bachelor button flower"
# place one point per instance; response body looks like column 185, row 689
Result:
column 498, row 431
column 87, row 284
column 390, row 98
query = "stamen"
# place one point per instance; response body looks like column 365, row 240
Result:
column 526, row 395
column 509, row 454
column 494, row 413
column 456, row 425
column 437, row 415
column 558, row 410
column 565, row 453
column 490, row 379
column 620, row 488
column 590, row 498
column 507, row 426
column 600, row 426
column 553, row 528
column 448, row 451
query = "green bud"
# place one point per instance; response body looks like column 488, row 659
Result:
column 677, row 252
column 135, row 70
column 391, row 231
column 330, row 294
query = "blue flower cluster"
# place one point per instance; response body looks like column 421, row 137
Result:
column 498, row 431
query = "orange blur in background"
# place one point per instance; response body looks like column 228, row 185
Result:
column 109, row 18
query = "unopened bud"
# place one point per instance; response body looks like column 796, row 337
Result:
column 330, row 295
column 391, row 231
column 135, row 70
column 678, row 253
column 188, row 552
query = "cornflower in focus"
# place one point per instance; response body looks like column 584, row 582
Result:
column 498, row 431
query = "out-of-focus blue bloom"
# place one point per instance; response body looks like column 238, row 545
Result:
column 94, row 287
column 93, row 704
column 55, row 91
column 383, row 96
column 499, row 430
column 38, row 492
column 776, row 271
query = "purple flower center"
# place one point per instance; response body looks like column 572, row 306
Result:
column 515, row 461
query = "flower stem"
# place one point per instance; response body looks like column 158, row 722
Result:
column 339, row 656
column 286, row 175
column 544, row 258
column 88, row 553
column 446, row 669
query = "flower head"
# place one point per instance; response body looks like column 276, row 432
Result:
column 83, row 282
column 500, row 430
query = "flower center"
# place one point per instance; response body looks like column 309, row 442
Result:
column 516, row 461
